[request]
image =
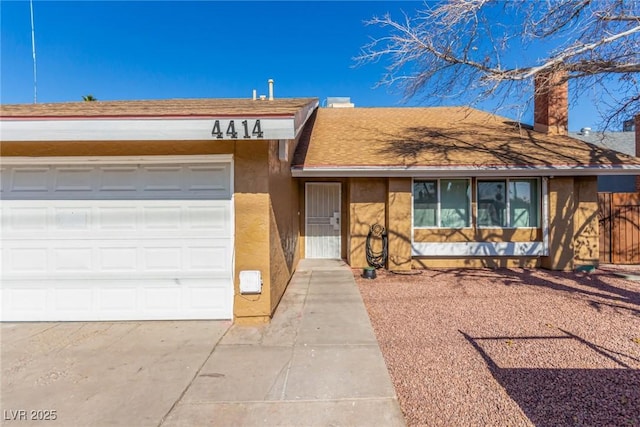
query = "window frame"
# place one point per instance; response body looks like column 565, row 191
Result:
column 439, row 204
column 539, row 202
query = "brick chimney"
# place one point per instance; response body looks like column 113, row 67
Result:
column 638, row 149
column 551, row 103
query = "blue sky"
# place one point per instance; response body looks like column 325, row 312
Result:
column 118, row 50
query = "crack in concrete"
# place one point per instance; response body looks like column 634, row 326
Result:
column 197, row 373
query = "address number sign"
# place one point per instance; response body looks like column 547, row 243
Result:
column 237, row 129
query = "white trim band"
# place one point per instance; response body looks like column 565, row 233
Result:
column 137, row 129
column 457, row 171
column 120, row 160
column 446, row 249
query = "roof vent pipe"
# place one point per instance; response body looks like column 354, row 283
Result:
column 270, row 89
column 585, row 131
column 255, row 95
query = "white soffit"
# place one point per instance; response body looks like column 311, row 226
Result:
column 151, row 129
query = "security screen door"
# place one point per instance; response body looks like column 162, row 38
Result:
column 322, row 209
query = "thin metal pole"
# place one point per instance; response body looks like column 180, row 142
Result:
column 33, row 49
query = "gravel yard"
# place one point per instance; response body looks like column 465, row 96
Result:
column 510, row 347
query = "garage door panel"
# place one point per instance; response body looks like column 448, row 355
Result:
column 162, row 258
column 64, row 219
column 72, row 218
column 24, row 260
column 73, row 300
column 118, row 300
column 162, row 217
column 117, row 218
column 211, row 181
column 75, row 259
column 162, row 298
column 117, row 242
column 73, row 179
column 118, row 258
column 196, row 298
column 94, row 257
column 214, row 218
column 211, row 258
column 25, row 219
column 28, row 299
column 28, row 179
column 118, row 179
column 203, row 298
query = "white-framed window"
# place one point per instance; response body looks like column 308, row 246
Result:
column 508, row 203
column 442, row 203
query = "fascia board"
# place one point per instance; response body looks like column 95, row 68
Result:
column 137, row 129
column 374, row 172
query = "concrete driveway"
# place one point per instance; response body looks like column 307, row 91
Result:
column 100, row 373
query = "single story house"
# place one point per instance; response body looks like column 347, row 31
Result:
column 459, row 188
column 201, row 209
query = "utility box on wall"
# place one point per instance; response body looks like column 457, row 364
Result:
column 250, row 282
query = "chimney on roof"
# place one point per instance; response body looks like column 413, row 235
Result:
column 270, row 89
column 551, row 102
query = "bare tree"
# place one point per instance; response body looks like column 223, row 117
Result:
column 476, row 50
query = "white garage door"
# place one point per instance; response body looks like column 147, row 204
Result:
column 117, row 241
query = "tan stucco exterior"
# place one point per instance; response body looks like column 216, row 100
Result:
column 114, row 148
column 399, row 223
column 367, row 206
column 573, row 223
column 585, row 224
column 284, row 223
column 573, row 227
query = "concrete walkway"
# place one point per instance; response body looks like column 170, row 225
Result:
column 316, row 364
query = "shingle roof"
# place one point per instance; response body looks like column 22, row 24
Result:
column 159, row 108
column 624, row 142
column 438, row 137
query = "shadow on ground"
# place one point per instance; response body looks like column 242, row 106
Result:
column 569, row 396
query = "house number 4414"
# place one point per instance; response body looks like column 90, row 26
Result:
column 237, row 129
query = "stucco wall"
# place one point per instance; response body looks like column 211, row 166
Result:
column 252, row 226
column 399, row 223
column 367, row 202
column 284, row 230
column 586, row 227
column 562, row 208
column 114, row 148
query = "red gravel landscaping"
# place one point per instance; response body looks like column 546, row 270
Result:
column 510, row 347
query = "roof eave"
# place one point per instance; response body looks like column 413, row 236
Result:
column 456, row 171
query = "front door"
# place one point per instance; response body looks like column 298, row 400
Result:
column 323, row 220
